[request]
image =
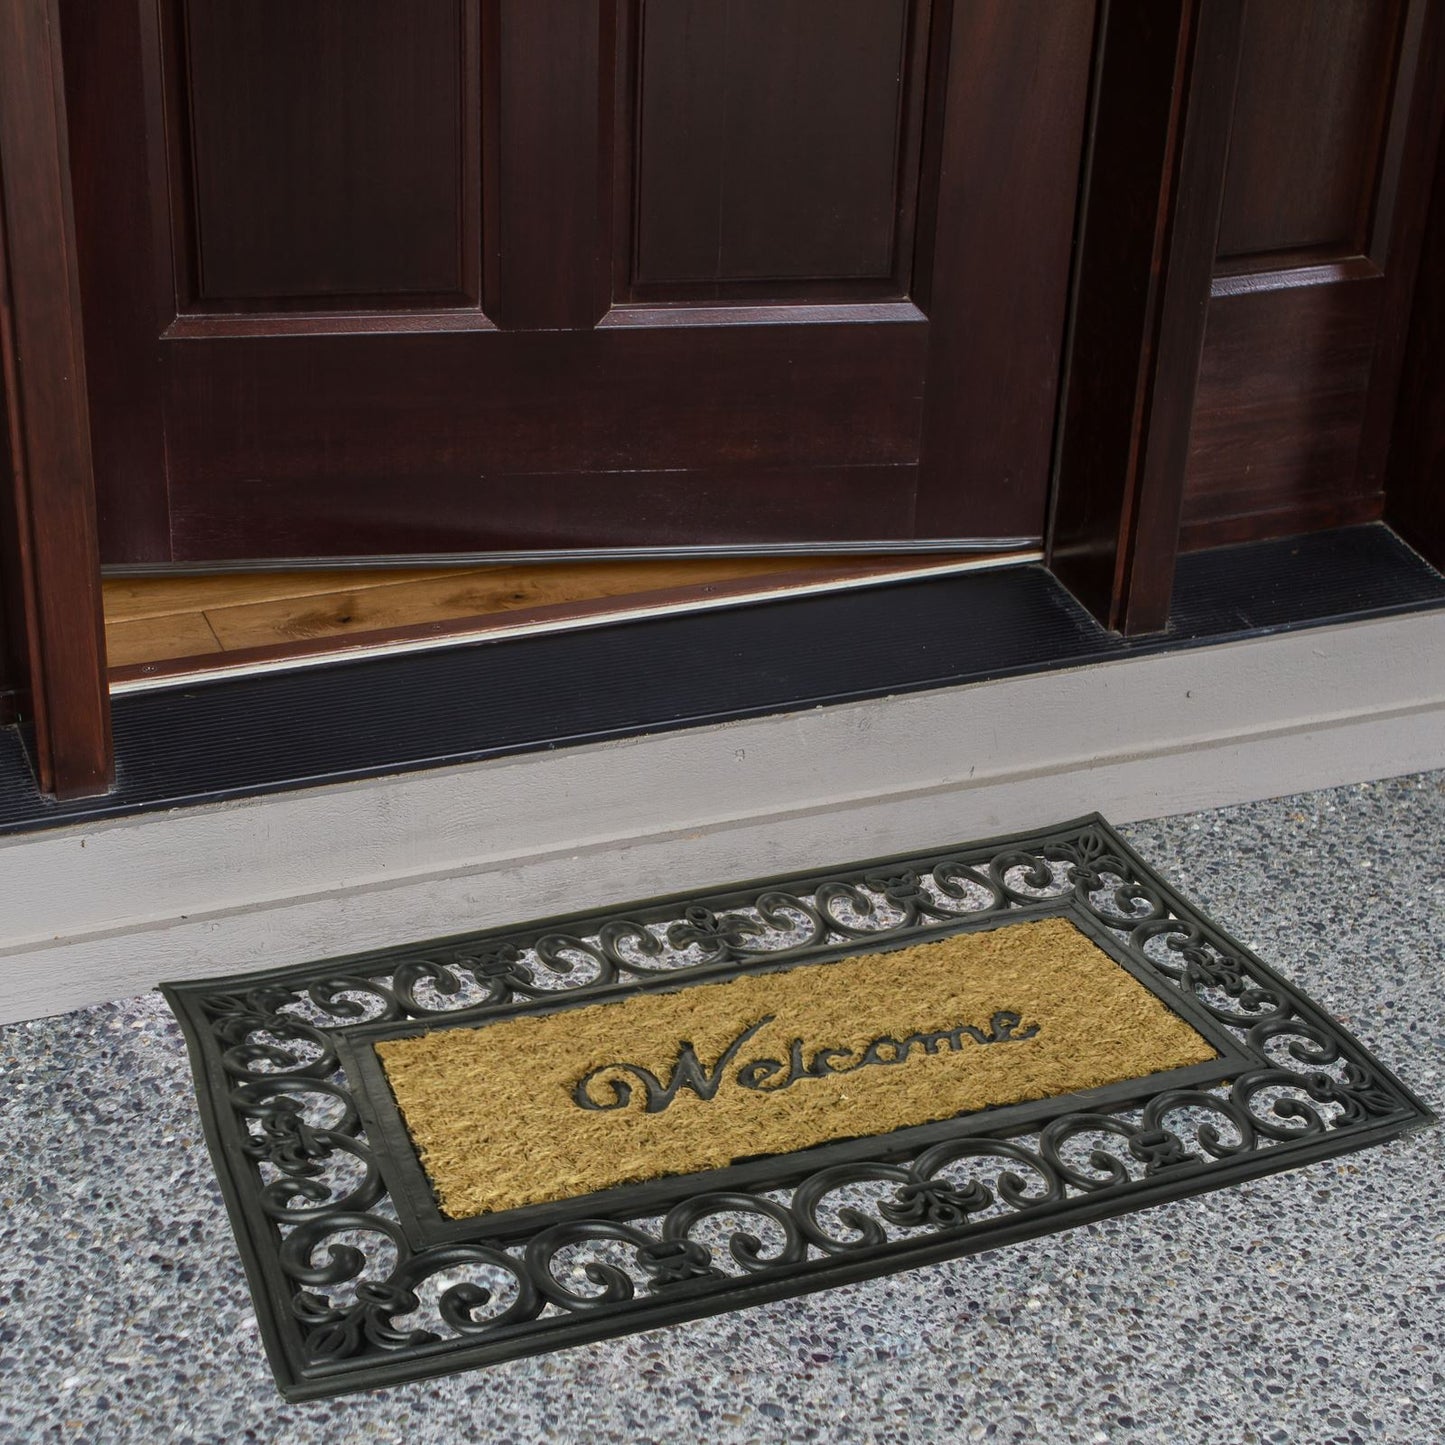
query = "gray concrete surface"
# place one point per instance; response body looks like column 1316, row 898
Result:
column 1304, row 1309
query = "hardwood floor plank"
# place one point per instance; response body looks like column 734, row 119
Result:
column 128, row 598
column 172, row 626
column 154, row 639
column 369, row 608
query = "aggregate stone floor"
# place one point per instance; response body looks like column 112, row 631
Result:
column 1305, row 1309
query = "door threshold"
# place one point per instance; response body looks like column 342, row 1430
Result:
column 415, row 712
column 538, row 620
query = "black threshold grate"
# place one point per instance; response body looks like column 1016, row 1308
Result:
column 359, row 1281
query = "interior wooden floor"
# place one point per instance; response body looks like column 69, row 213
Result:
column 167, row 626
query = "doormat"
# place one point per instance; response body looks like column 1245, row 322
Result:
column 450, row 1154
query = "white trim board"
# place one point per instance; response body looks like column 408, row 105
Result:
column 101, row 911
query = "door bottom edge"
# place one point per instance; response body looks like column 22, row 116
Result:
column 966, row 545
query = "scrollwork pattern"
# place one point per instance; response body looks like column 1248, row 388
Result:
column 314, row 1204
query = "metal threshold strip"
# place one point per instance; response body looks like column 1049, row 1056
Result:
column 782, row 550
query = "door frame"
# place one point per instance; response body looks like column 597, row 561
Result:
column 1157, row 136
column 52, row 621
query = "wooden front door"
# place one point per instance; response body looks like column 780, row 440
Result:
column 369, row 278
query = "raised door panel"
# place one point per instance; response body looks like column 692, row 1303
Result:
column 776, row 141
column 1309, row 115
column 1315, row 248
column 1281, row 404
column 325, row 152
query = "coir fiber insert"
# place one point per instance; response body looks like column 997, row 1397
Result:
column 572, row 1101
column 445, row 1155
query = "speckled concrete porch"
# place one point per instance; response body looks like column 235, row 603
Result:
column 1302, row 1309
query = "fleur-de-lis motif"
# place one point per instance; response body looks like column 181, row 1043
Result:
column 1160, row 1149
column 1228, row 975
column 675, row 1261
column 1359, row 1094
column 713, row 933
column 500, row 967
column 936, row 1203
column 234, row 1015
column 284, row 1137
column 901, row 888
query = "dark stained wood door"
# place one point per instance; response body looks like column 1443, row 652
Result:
column 1333, row 132
column 369, row 278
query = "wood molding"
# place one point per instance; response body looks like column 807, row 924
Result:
column 1415, row 496
column 1330, row 162
column 1411, row 242
column 1002, row 202
column 47, row 510
column 1415, row 471
column 1153, row 185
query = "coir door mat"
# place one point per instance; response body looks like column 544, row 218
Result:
column 441, row 1156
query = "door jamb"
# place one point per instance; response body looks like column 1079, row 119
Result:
column 1415, row 467
column 1151, row 195
column 54, row 628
